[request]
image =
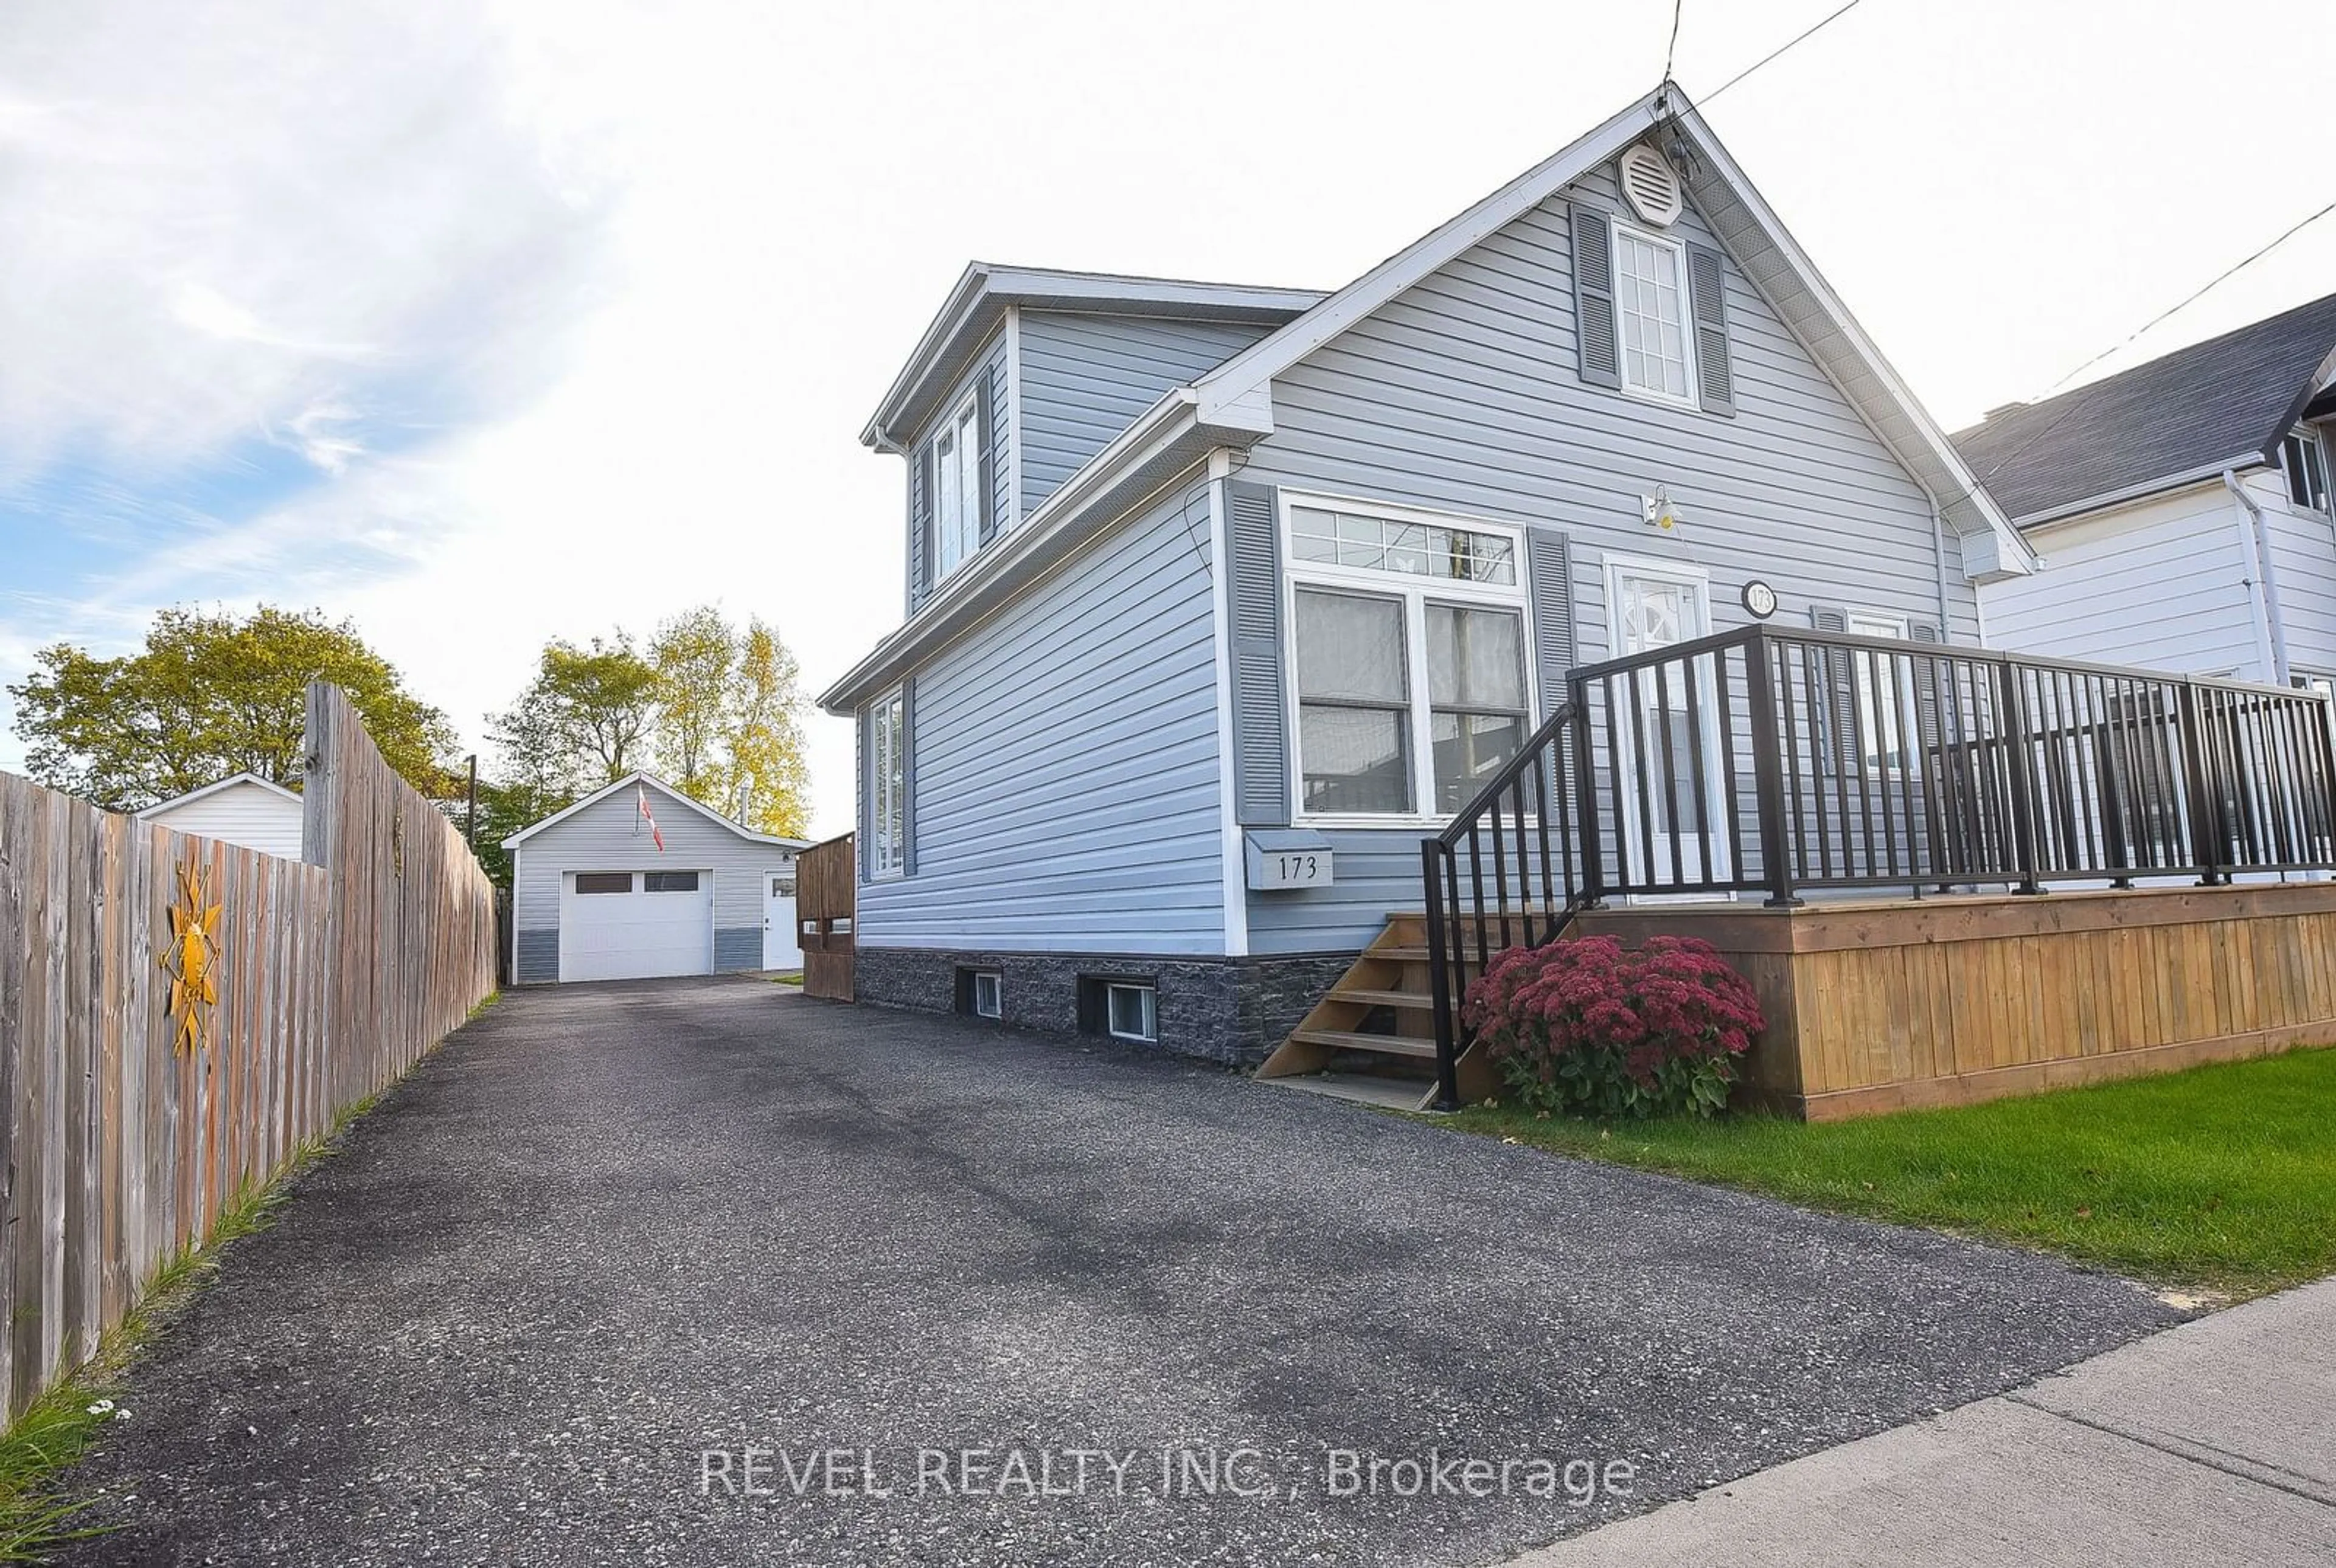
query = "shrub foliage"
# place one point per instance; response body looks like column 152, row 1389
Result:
column 1588, row 1026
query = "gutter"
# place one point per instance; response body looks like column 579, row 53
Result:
column 2263, row 592
column 2143, row 491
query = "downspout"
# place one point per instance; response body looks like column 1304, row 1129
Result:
column 1939, row 557
column 2264, row 594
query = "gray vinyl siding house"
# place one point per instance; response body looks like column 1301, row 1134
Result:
column 714, row 926
column 1084, row 751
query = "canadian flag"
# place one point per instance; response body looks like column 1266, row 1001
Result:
column 649, row 817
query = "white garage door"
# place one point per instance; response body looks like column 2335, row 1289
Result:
column 630, row 925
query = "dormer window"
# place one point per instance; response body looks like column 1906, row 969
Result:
column 957, row 489
column 2305, row 459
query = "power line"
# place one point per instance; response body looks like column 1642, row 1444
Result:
column 2187, row 300
column 1790, row 43
column 1670, row 52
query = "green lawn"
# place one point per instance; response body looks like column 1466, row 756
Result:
column 2220, row 1181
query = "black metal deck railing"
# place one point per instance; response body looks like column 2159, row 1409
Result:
column 1775, row 761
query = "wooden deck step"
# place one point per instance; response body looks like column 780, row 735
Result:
column 1385, row 1045
column 1363, row 997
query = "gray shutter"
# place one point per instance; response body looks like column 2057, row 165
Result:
column 1548, row 554
column 1253, row 583
column 983, row 421
column 1594, row 296
column 909, row 776
column 1837, row 747
column 1929, row 682
column 1706, row 288
column 920, row 524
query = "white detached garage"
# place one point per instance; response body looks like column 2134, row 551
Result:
column 597, row 896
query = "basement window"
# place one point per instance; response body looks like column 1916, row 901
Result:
column 981, row 993
column 1131, row 1011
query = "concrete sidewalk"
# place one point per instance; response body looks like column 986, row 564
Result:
column 2214, row 1442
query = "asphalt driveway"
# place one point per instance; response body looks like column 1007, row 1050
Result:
column 595, row 1284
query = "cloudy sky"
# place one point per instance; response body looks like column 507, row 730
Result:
column 485, row 323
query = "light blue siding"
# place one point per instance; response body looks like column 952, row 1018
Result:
column 1084, row 378
column 1066, row 795
column 1463, row 394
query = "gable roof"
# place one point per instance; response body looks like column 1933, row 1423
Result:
column 985, row 291
column 211, row 789
column 1761, row 247
column 2186, row 416
column 663, row 788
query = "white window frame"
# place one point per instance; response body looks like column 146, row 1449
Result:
column 963, row 487
column 1151, row 1010
column 996, row 981
column 2311, row 436
column 888, row 783
column 1615, row 229
column 1417, row 593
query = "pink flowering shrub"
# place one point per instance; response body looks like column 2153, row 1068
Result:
column 1589, row 1027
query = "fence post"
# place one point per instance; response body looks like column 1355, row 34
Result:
column 1767, row 772
column 2014, row 706
column 2205, row 791
column 1585, row 799
column 1439, row 977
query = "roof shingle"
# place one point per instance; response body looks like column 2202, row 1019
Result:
column 2228, row 397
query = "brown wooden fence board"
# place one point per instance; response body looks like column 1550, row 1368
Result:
column 117, row 1151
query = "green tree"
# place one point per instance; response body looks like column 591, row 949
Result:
column 582, row 722
column 695, row 655
column 209, row 696
column 764, row 739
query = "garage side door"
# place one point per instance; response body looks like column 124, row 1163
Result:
column 632, row 925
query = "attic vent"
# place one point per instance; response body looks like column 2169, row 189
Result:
column 1653, row 188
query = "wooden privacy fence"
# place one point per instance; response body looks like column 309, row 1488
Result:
column 136, row 1109
column 827, row 879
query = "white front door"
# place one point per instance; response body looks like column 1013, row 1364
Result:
column 630, row 925
column 782, row 947
column 1657, row 607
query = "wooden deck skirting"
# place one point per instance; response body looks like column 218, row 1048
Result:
column 1885, row 1005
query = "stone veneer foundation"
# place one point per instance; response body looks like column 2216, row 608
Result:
column 1229, row 1011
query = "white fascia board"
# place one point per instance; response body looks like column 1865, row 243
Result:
column 1235, row 389
column 211, row 789
column 651, row 780
column 984, row 288
column 2208, row 473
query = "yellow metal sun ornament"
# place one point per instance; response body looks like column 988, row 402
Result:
column 188, row 960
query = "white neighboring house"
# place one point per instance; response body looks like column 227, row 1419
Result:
column 2181, row 509
column 244, row 810
column 594, row 898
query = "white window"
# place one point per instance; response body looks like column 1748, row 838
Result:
column 1407, row 654
column 2305, row 458
column 888, row 787
column 1650, row 314
column 1882, row 694
column 1131, row 1011
column 956, row 490
column 989, row 995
